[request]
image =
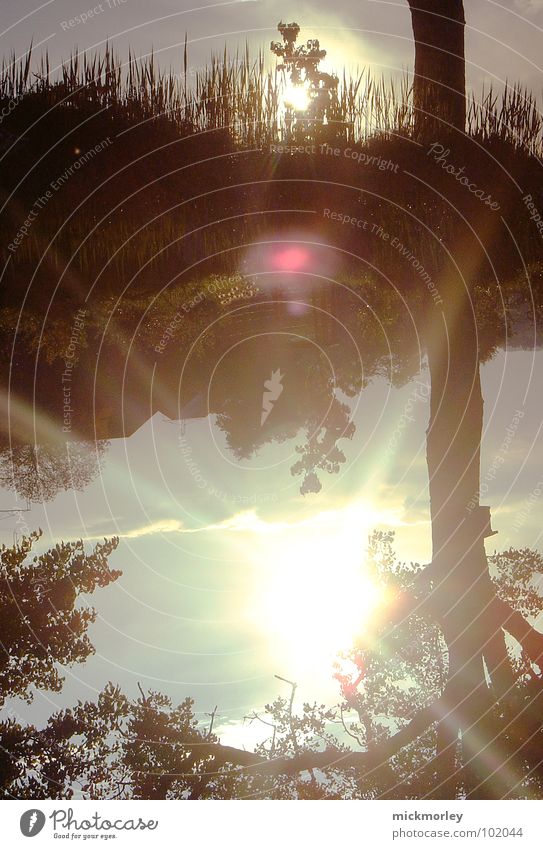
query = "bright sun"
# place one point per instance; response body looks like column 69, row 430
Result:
column 297, row 97
column 313, row 595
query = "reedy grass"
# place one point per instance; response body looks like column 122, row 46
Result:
column 240, row 94
column 511, row 118
column 236, row 95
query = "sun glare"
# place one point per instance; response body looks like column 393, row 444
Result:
column 297, row 97
column 314, row 594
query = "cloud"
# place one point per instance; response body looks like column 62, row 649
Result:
column 162, row 526
column 248, row 521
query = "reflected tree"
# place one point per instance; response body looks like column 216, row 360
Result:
column 40, row 472
column 304, row 400
column 43, row 625
column 321, row 452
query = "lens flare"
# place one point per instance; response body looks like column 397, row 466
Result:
column 290, row 259
column 297, row 97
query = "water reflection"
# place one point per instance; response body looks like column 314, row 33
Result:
column 302, row 345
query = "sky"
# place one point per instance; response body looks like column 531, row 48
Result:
column 227, row 584
column 231, row 577
column 503, row 40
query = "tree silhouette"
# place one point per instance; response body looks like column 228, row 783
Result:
column 42, row 625
column 320, row 451
column 40, row 472
column 457, row 586
column 301, row 64
column 379, row 741
column 269, row 394
column 439, row 90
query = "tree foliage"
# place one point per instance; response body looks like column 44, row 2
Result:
column 43, row 624
column 40, row 472
column 149, row 748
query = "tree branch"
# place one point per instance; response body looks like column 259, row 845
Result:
column 519, row 628
column 330, row 758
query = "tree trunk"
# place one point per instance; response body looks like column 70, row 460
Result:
column 463, row 595
column 439, row 89
column 459, row 567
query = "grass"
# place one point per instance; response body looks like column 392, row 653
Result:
column 168, row 119
column 511, row 119
column 238, row 93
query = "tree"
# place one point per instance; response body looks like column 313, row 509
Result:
column 391, row 685
column 459, row 589
column 439, row 88
column 311, row 93
column 42, row 624
column 320, row 451
column 68, row 756
column 40, row 472
column 305, row 381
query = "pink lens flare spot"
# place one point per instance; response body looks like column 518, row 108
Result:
column 290, row 259
column 296, row 308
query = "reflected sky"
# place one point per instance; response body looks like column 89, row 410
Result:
column 231, row 576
